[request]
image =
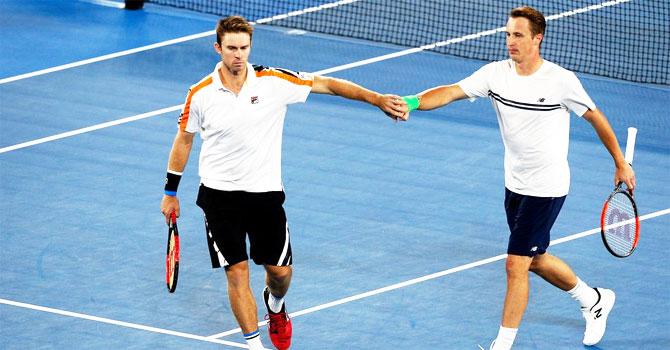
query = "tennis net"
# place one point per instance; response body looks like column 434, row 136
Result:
column 622, row 39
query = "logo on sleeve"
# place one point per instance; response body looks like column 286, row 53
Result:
column 254, row 100
column 541, row 100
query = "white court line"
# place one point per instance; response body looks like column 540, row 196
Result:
column 297, row 13
column 105, row 57
column 165, row 43
column 108, row 3
column 307, row 10
column 120, row 323
column 597, row 230
column 110, row 123
column 97, row 127
column 468, row 37
column 91, row 128
column 432, row 276
column 321, row 72
column 213, row 338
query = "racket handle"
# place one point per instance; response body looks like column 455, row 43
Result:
column 630, row 145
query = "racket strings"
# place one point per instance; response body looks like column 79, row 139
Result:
column 621, row 226
column 172, row 259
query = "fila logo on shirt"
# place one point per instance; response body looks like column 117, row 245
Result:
column 254, row 100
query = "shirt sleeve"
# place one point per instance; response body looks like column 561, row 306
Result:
column 477, row 84
column 576, row 98
column 189, row 119
column 293, row 86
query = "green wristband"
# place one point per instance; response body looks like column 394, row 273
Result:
column 412, row 102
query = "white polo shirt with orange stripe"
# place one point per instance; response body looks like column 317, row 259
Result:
column 242, row 134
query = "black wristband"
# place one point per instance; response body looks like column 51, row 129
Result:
column 172, row 183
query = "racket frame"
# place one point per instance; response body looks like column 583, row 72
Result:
column 616, row 191
column 172, row 232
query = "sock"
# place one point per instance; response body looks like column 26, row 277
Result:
column 505, row 338
column 585, row 295
column 254, row 340
column 275, row 303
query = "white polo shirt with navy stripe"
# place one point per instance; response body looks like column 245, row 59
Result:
column 242, row 134
column 534, row 117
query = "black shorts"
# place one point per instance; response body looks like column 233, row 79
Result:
column 232, row 216
column 530, row 219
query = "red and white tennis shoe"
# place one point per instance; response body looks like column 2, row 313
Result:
column 279, row 325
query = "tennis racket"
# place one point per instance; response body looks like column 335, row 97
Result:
column 619, row 221
column 172, row 259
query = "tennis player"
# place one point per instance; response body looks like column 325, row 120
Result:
column 533, row 99
column 239, row 111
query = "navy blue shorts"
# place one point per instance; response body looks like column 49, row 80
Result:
column 530, row 219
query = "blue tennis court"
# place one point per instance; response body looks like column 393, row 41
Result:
column 399, row 230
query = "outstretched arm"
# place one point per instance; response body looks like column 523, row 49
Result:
column 181, row 149
column 435, row 97
column 624, row 172
column 392, row 105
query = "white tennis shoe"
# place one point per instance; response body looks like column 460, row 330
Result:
column 490, row 346
column 596, row 316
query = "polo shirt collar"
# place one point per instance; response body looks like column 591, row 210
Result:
column 250, row 81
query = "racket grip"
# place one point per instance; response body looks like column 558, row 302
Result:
column 173, row 218
column 630, row 145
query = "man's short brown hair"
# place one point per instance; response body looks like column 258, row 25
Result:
column 233, row 24
column 537, row 22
